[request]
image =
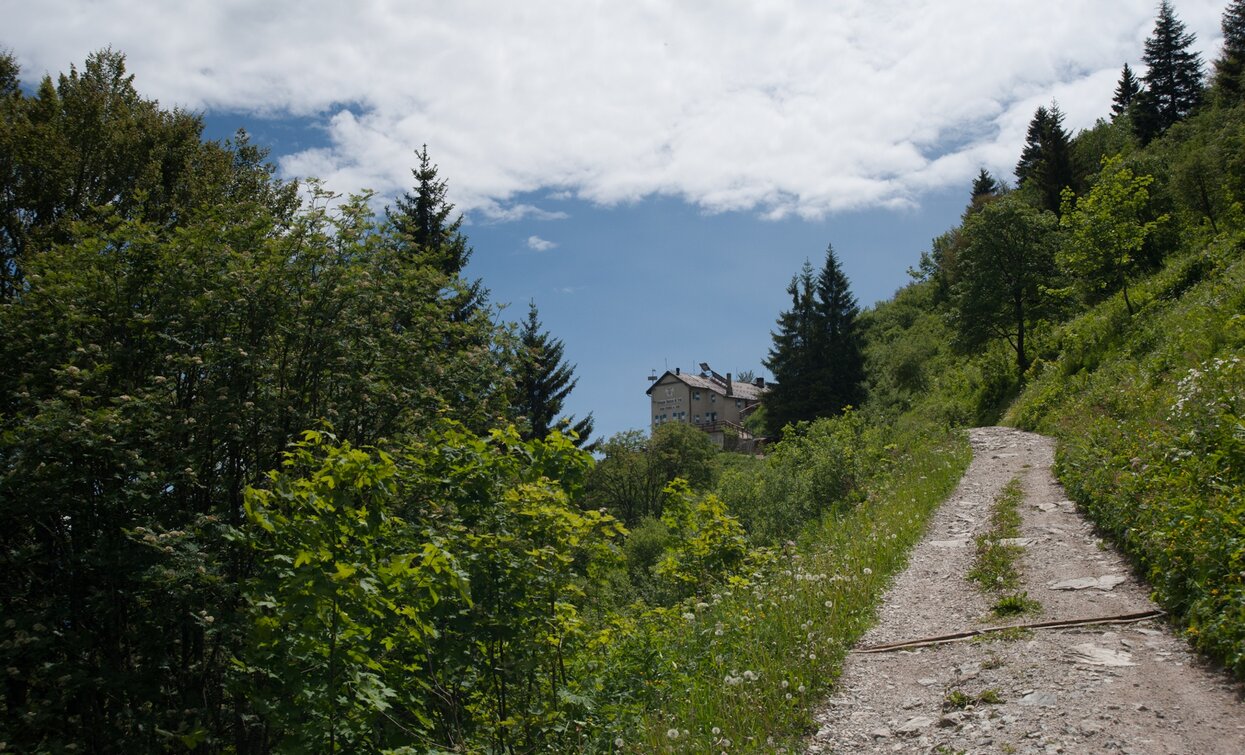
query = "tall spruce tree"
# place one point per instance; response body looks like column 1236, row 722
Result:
column 1045, row 165
column 1125, row 92
column 1231, row 63
column 542, row 383
column 424, row 223
column 843, row 367
column 1173, row 78
column 817, row 356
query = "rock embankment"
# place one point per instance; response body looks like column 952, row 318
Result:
column 1114, row 687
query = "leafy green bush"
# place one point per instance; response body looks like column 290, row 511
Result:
column 819, row 466
column 429, row 598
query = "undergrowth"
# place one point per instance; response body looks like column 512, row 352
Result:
column 753, row 654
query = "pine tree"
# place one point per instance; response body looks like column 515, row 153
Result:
column 842, row 369
column 1045, row 165
column 421, row 220
column 985, row 185
column 1173, row 79
column 1231, row 64
column 789, row 358
column 542, row 383
column 817, row 357
column 1125, row 92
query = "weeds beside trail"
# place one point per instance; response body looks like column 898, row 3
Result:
column 754, row 655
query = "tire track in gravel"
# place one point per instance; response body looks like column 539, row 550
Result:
column 1056, row 697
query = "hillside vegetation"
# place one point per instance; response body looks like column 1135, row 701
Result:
column 273, row 479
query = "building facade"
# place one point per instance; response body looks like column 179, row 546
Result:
column 714, row 403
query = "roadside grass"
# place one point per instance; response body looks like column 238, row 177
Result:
column 741, row 668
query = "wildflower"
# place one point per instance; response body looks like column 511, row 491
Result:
column 750, row 676
column 672, row 733
column 867, row 571
column 689, row 616
column 618, row 742
column 716, row 731
column 785, row 684
column 829, row 604
column 800, row 689
column 788, row 695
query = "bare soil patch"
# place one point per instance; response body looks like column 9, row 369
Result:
column 1128, row 688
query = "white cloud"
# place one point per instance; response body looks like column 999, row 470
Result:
column 537, row 244
column 791, row 106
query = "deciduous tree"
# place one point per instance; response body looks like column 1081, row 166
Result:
column 1004, row 266
column 1107, row 229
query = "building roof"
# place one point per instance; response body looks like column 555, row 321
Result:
column 717, row 384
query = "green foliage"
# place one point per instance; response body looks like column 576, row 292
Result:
column 818, row 467
column 180, row 318
column 341, row 619
column 746, row 660
column 1231, row 63
column 1004, row 271
column 1107, row 230
column 708, row 544
column 630, row 480
column 426, row 598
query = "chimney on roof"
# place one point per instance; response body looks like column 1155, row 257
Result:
column 730, row 385
column 759, row 382
column 676, row 370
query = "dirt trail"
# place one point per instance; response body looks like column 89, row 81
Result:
column 1056, row 694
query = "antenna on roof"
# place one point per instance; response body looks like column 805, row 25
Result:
column 652, row 374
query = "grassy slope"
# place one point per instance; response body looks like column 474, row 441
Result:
column 1148, row 412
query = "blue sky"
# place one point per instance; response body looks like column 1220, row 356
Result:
column 650, row 173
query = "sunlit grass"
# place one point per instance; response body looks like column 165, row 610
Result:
column 742, row 668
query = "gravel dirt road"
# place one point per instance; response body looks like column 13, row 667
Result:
column 1127, row 688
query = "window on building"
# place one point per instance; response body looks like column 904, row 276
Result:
column 713, row 398
column 695, row 395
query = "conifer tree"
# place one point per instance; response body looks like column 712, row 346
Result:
column 542, row 383
column 1125, row 92
column 1173, row 79
column 1046, row 162
column 1231, row 64
column 842, row 365
column 422, row 221
column 817, row 356
column 985, row 185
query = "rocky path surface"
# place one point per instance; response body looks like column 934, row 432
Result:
column 1127, row 688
